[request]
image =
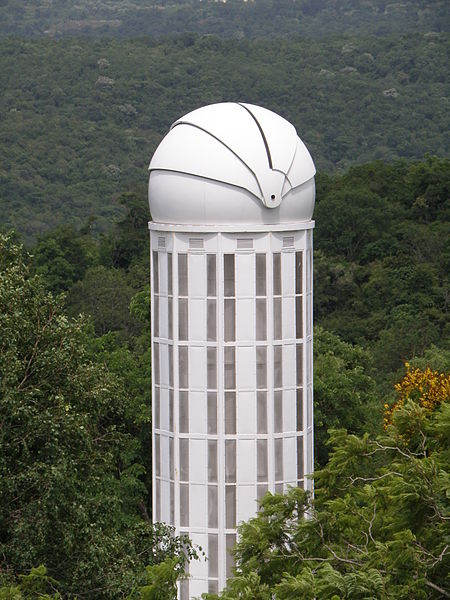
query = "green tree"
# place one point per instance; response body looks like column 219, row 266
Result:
column 376, row 528
column 70, row 471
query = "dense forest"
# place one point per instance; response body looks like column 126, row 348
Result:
column 237, row 18
column 84, row 105
column 81, row 117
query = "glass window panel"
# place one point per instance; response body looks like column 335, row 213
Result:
column 184, row 505
column 299, row 458
column 261, row 491
column 211, row 275
column 183, row 319
column 169, row 274
column 228, row 275
column 184, row 412
column 298, row 317
column 278, row 366
column 183, row 366
column 230, row 542
column 230, row 461
column 278, row 411
column 212, row 368
column 170, row 318
column 212, row 461
column 277, row 330
column 211, row 320
column 156, row 374
column 172, row 504
column 261, row 275
column 182, row 275
column 261, row 319
column 230, row 368
column 184, row 460
column 299, row 403
column 157, row 455
column 261, row 367
column 279, row 488
column 261, row 459
column 170, row 366
column 170, row 410
column 213, row 555
column 212, row 413
column 156, row 316
column 298, row 272
column 229, row 320
column 158, row 500
column 157, row 404
column 213, row 587
column 299, row 363
column 278, row 459
column 171, row 459
column 261, row 412
column 230, row 506
column 213, row 506
column 277, row 274
column 155, row 273
column 230, row 413
column 309, row 408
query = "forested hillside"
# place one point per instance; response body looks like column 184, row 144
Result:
column 81, row 118
column 249, row 18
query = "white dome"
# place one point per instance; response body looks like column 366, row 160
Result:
column 231, row 163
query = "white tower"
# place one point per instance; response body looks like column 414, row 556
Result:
column 231, row 194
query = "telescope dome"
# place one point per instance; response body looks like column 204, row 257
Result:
column 231, row 163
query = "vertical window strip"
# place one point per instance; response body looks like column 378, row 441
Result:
column 212, row 368
column 300, row 457
column 211, row 287
column 230, row 413
column 260, row 275
column 170, row 366
column 171, row 410
column 183, row 367
column 184, row 459
column 230, row 506
column 277, row 274
column 261, row 412
column 213, row 500
column 158, row 455
column 299, row 317
column 182, row 275
column 156, row 316
column 213, row 555
column 229, row 320
column 157, row 408
column 170, row 318
column 183, row 319
column 278, row 459
column 230, row 542
column 156, row 370
column 261, row 319
column 261, row 460
column 184, row 507
column 212, row 461
column 230, row 461
column 158, row 500
column 261, row 367
column 211, row 320
column 277, row 319
column 212, row 413
column 172, row 504
column 169, row 274
column 278, row 366
column 229, row 275
column 183, row 412
column 278, row 411
column 299, row 272
column 230, row 367
column 171, row 460
column 299, row 409
column 299, row 363
column 155, row 273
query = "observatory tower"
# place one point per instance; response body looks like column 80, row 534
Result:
column 231, row 194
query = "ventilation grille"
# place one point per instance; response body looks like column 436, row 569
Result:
column 288, row 242
column 196, row 243
column 244, row 244
column 161, row 242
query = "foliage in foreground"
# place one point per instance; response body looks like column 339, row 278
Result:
column 377, row 527
column 71, row 479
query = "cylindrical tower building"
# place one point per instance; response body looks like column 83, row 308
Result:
column 231, row 194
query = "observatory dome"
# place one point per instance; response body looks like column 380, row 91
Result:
column 231, row 163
